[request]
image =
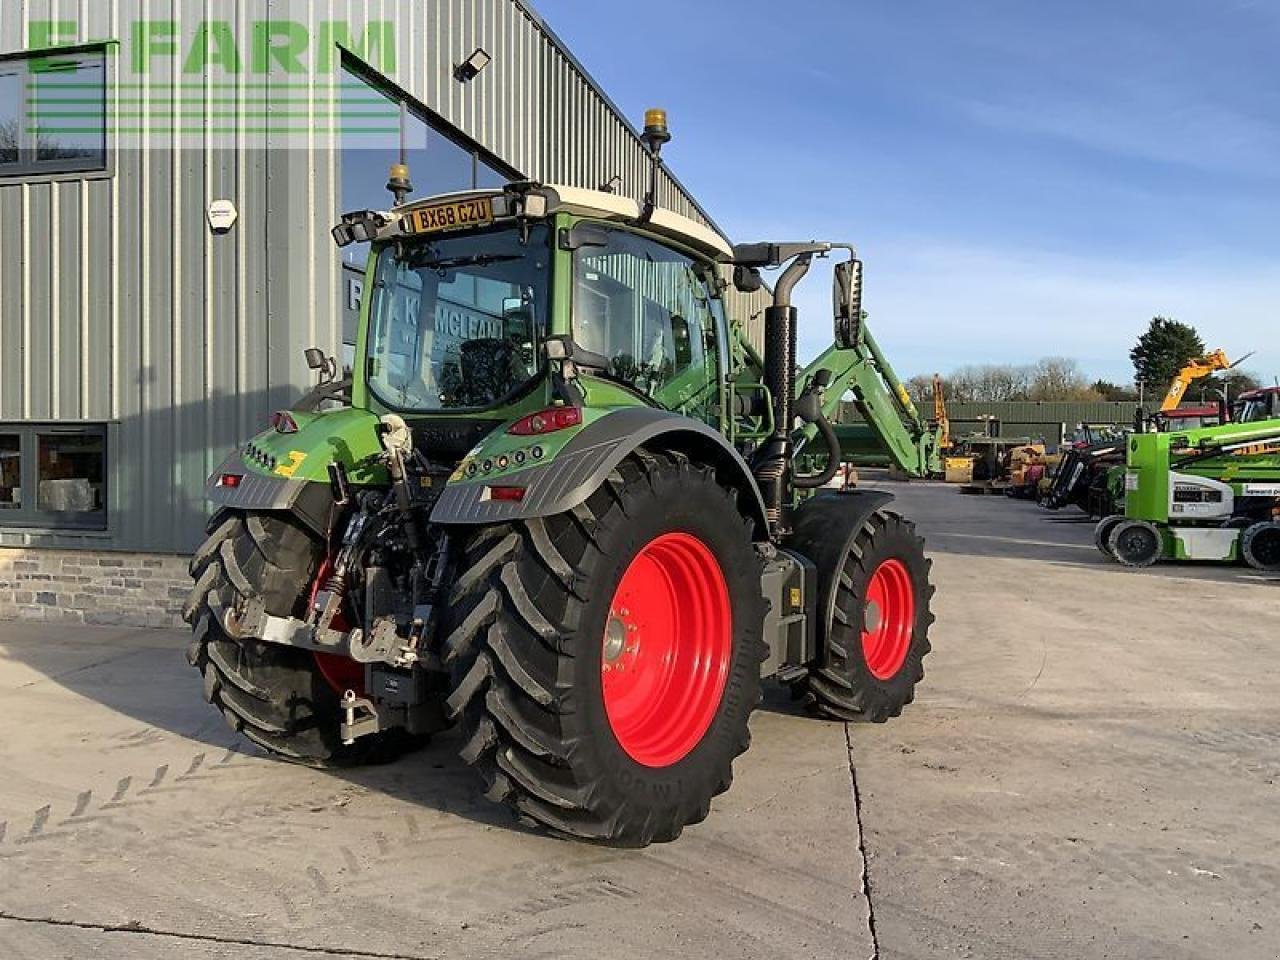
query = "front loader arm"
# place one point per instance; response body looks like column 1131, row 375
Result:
column 881, row 399
column 892, row 420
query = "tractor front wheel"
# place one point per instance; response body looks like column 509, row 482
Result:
column 606, row 660
column 879, row 636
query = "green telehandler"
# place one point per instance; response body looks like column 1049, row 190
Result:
column 556, row 504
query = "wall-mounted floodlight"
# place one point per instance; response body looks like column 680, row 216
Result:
column 470, row 68
column 612, row 185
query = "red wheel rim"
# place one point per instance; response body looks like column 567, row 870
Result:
column 667, row 645
column 889, row 619
column 341, row 673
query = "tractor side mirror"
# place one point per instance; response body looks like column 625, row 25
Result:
column 746, row 279
column 325, row 365
column 846, row 301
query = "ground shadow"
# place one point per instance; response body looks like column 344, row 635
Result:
column 143, row 674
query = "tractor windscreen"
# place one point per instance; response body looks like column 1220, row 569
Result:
column 457, row 323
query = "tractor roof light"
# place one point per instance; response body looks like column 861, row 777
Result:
column 655, row 127
column 546, row 421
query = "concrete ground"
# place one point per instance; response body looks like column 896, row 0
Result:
column 1090, row 770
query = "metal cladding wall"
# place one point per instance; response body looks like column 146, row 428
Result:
column 118, row 304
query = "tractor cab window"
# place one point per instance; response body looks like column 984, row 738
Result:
column 457, row 323
column 649, row 310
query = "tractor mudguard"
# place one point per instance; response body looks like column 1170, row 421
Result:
column 310, row 501
column 823, row 530
column 573, row 474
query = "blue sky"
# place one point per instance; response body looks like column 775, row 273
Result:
column 1022, row 179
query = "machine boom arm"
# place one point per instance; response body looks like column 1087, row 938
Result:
column 891, row 418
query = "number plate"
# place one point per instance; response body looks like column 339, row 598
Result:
column 457, row 215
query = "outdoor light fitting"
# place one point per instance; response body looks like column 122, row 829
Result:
column 470, row 68
column 612, row 185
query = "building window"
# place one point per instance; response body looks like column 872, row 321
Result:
column 53, row 113
column 53, row 475
column 10, row 472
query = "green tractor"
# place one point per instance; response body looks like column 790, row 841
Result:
column 1210, row 494
column 556, row 504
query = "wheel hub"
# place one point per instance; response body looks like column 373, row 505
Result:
column 615, row 637
column 888, row 619
column 872, row 616
column 666, row 649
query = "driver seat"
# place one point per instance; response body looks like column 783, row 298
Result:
column 490, row 369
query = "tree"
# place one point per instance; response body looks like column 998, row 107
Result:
column 1234, row 382
column 989, row 383
column 1113, row 391
column 920, row 390
column 1059, row 378
column 1163, row 350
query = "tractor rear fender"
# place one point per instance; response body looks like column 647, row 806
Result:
column 823, row 530
column 587, row 460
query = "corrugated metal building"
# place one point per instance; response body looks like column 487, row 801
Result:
column 139, row 339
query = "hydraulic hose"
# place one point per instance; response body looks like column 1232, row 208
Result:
column 809, row 481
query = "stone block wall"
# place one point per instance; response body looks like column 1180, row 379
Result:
column 93, row 586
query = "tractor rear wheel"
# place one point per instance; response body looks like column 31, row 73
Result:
column 880, row 633
column 279, row 697
column 606, row 660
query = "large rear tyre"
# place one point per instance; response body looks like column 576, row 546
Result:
column 606, row 660
column 880, row 635
column 275, row 696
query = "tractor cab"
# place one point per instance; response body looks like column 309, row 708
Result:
column 476, row 299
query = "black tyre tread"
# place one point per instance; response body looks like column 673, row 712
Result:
column 1102, row 535
column 835, row 689
column 1248, row 539
column 1134, row 563
column 272, row 695
column 517, row 606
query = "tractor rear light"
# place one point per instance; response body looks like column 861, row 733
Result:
column 546, row 421
column 507, row 494
column 282, row 422
column 230, row 480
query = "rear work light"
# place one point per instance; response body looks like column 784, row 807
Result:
column 546, row 421
column 508, row 494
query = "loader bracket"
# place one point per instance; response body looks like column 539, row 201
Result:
column 823, row 531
